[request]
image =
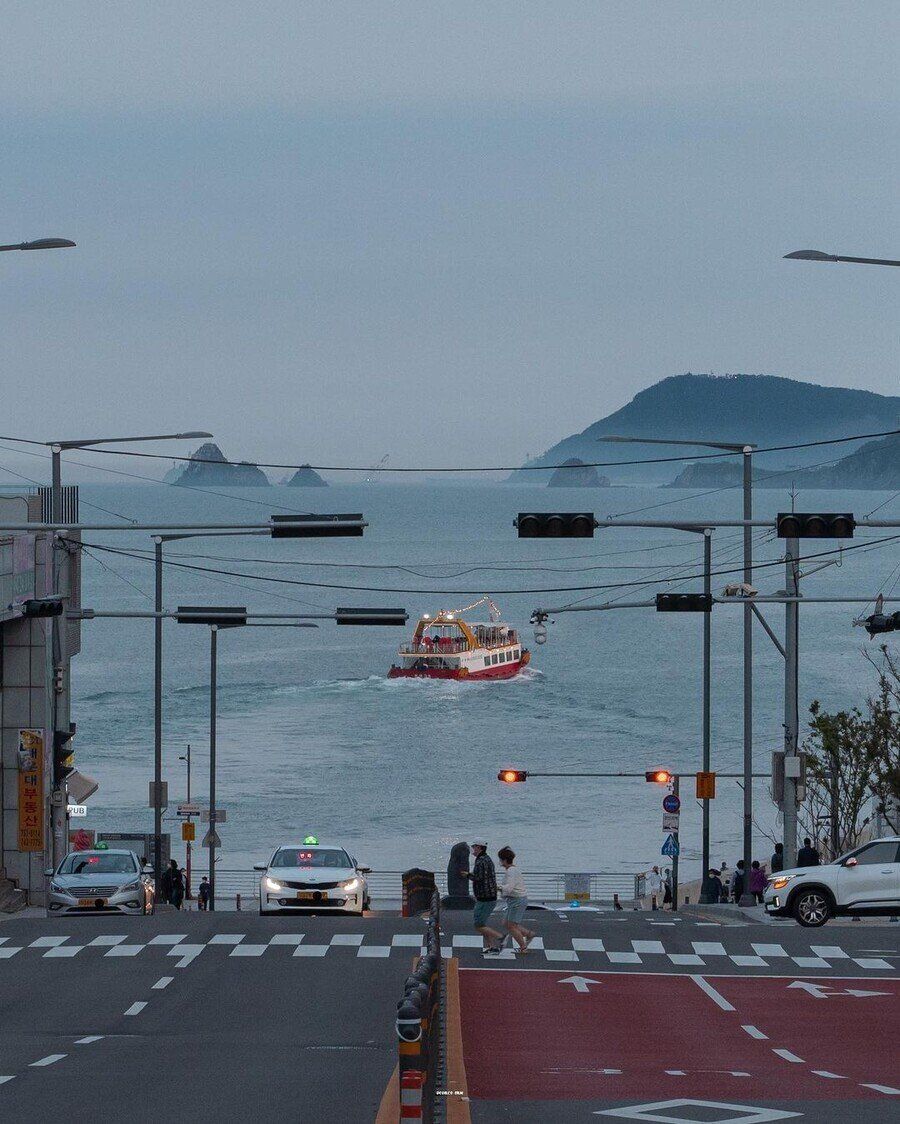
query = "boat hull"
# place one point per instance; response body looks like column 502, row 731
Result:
column 500, row 671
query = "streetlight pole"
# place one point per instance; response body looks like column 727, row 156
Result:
column 40, row 244
column 707, row 693
column 817, row 255
column 791, row 713
column 213, row 676
column 187, row 846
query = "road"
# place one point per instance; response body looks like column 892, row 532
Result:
column 228, row 1016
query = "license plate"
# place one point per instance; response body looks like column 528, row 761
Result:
column 308, row 896
column 89, row 903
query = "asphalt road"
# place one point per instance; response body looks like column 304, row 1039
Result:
column 230, row 1016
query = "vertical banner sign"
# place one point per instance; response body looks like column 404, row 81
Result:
column 31, row 790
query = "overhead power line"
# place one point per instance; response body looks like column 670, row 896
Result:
column 476, row 468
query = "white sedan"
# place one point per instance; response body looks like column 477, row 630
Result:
column 311, row 878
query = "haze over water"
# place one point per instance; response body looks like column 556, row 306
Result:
column 312, row 737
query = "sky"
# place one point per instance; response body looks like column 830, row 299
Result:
column 449, row 233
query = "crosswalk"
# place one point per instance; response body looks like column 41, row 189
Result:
column 708, row 954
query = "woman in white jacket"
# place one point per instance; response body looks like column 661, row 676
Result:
column 512, row 890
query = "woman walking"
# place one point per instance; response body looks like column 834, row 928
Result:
column 512, row 889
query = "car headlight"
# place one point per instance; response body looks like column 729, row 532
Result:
column 780, row 881
column 131, row 887
column 271, row 884
column 351, row 884
column 55, row 888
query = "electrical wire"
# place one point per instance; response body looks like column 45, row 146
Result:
column 493, row 468
column 547, row 589
column 38, row 484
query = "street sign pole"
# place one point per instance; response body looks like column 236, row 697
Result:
column 213, row 634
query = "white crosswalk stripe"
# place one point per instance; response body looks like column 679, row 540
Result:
column 595, row 950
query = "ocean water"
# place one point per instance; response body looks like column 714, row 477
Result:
column 312, row 736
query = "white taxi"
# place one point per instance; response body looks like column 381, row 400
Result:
column 312, row 877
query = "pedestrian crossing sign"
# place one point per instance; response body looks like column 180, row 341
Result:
column 670, row 848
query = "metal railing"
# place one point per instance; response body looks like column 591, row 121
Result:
column 387, row 885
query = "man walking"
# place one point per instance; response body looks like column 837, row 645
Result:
column 807, row 855
column 203, row 893
column 484, row 889
column 776, row 864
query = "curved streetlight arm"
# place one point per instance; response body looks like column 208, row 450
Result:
column 41, row 244
column 732, row 447
column 817, row 255
column 85, row 443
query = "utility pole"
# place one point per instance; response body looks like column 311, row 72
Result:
column 59, row 839
column 791, row 713
column 157, row 716
column 676, row 789
column 188, row 819
column 213, row 635
column 707, row 658
column 747, row 898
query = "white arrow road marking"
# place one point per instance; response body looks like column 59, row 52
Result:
column 861, row 994
column 580, row 983
column 817, row 991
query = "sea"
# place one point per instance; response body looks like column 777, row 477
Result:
column 313, row 738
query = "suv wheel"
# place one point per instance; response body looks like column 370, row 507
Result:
column 812, row 908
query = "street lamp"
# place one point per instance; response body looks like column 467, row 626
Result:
column 746, row 451
column 41, row 244
column 818, row 255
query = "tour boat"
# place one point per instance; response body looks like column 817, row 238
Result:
column 445, row 646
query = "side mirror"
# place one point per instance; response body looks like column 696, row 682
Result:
column 260, row 866
column 852, row 862
column 146, row 869
column 364, row 869
column 49, row 872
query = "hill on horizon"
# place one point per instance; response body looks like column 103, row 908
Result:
column 758, row 409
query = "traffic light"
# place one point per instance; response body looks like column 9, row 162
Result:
column 42, row 607
column 371, row 616
column 556, row 524
column 815, row 525
column 706, row 786
column 512, row 776
column 224, row 616
column 658, row 776
column 316, row 526
column 683, row 603
column 882, row 622
column 63, row 755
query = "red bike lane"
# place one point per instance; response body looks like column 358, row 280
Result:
column 545, row 1035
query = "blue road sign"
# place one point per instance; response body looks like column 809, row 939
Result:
column 671, row 802
column 670, row 848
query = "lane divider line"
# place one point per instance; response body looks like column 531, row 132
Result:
column 135, row 1008
column 89, row 1039
column 162, row 982
column 456, row 1105
column 787, row 1055
column 886, row 1089
column 50, row 1059
column 714, row 995
column 755, row 1032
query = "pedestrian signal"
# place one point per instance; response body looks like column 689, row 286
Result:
column 658, row 776
column 512, row 776
column 706, row 786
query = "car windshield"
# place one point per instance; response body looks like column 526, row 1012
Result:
column 86, row 862
column 311, row 856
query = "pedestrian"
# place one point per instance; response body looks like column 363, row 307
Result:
column 654, row 886
column 484, row 889
column 807, row 855
column 165, row 884
column 667, row 889
column 176, row 884
column 203, row 892
column 513, row 891
column 737, row 882
column 757, row 881
column 776, row 863
column 711, row 888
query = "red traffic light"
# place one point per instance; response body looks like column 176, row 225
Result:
column 658, row 776
column 512, row 776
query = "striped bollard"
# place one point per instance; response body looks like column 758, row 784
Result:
column 411, row 1086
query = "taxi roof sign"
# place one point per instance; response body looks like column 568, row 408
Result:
column 311, row 841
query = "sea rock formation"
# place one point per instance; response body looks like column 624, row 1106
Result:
column 208, row 466
column 574, row 473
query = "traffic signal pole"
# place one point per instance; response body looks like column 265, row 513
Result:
column 213, row 675
column 746, row 897
column 676, row 789
column 707, row 701
column 791, row 704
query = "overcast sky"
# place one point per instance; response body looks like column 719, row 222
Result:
column 448, row 232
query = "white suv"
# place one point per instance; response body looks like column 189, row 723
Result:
column 866, row 880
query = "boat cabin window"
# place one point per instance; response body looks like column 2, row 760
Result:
column 487, row 661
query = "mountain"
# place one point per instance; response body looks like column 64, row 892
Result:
column 873, row 465
column 574, row 473
column 208, row 466
column 306, row 477
column 758, row 409
column 725, row 474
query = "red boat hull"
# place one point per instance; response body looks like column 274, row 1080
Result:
column 501, row 671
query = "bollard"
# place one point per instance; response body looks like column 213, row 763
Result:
column 616, row 903
column 653, row 904
column 237, row 902
column 411, row 1085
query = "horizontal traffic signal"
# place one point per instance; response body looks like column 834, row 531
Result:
column 706, row 786
column 556, row 524
column 224, row 616
column 658, row 776
column 815, row 525
column 372, row 616
column 683, row 603
column 512, row 776
column 316, row 526
column 42, row 607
